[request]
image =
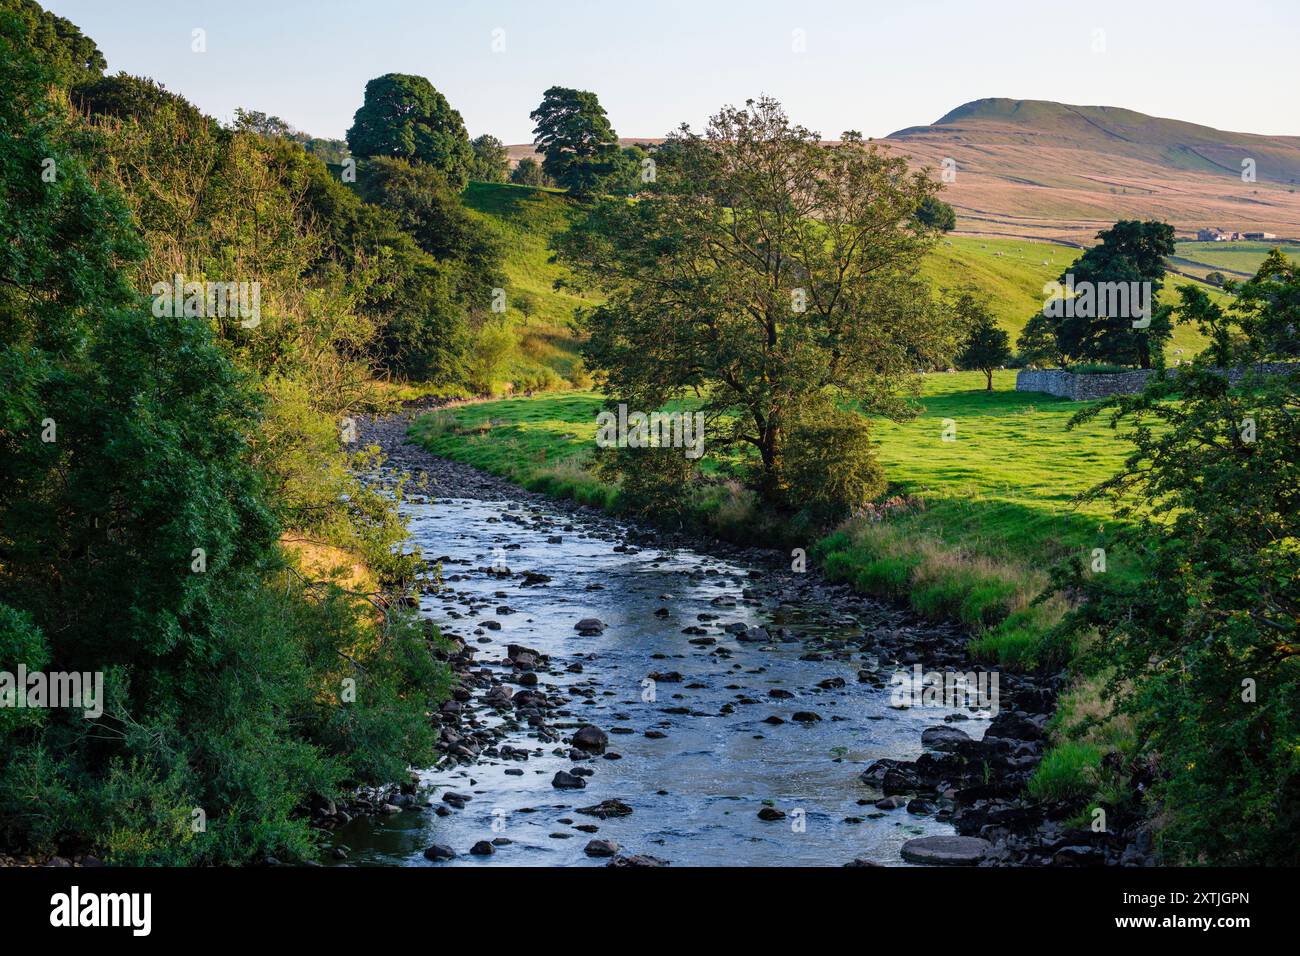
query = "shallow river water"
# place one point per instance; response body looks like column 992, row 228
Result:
column 696, row 790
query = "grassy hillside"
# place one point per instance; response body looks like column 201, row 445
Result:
column 1011, row 272
column 528, row 218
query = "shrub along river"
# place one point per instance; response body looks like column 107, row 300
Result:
column 731, row 703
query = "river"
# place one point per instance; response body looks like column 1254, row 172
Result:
column 696, row 758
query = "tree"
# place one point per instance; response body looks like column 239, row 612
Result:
column 1216, row 278
column 936, row 213
column 529, row 172
column 1102, row 322
column 404, row 117
column 414, row 300
column 573, row 133
column 65, row 53
column 141, row 468
column 255, row 121
column 1201, row 650
column 491, row 162
column 766, row 273
column 630, row 171
column 1268, row 307
column 1036, row 343
column 986, row 346
column 133, row 97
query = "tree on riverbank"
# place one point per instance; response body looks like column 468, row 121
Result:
column 150, row 463
column 769, row 274
column 1203, row 652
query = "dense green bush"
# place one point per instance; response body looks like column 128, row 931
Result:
column 829, row 468
column 144, row 483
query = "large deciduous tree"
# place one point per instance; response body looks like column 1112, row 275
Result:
column 404, row 117
column 1130, row 256
column 491, row 161
column 573, row 133
column 771, row 275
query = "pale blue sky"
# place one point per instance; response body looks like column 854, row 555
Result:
column 871, row 65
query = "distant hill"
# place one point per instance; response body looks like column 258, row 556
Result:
column 1051, row 171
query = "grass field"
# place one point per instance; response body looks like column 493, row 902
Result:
column 1012, row 273
column 1234, row 259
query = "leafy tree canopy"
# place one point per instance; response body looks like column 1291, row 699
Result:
column 529, row 172
column 573, row 133
column 936, row 213
column 766, row 272
column 491, row 162
column 1202, row 650
column 58, row 44
column 404, row 117
column 1129, row 259
column 986, row 346
column 427, row 209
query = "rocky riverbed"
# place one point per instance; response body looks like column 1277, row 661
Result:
column 632, row 698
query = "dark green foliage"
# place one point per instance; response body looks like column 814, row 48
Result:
column 414, row 300
column 491, row 161
column 404, row 117
column 138, row 534
column 580, row 147
column 986, row 346
column 439, row 223
column 830, row 469
column 65, row 54
column 937, row 214
column 529, row 172
column 1204, row 652
column 1267, row 307
column 125, row 96
column 1129, row 252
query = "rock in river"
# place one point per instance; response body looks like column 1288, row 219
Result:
column 943, row 738
column 563, row 780
column 600, row 848
column 591, row 739
column 606, row 809
column 438, row 852
column 946, row 850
